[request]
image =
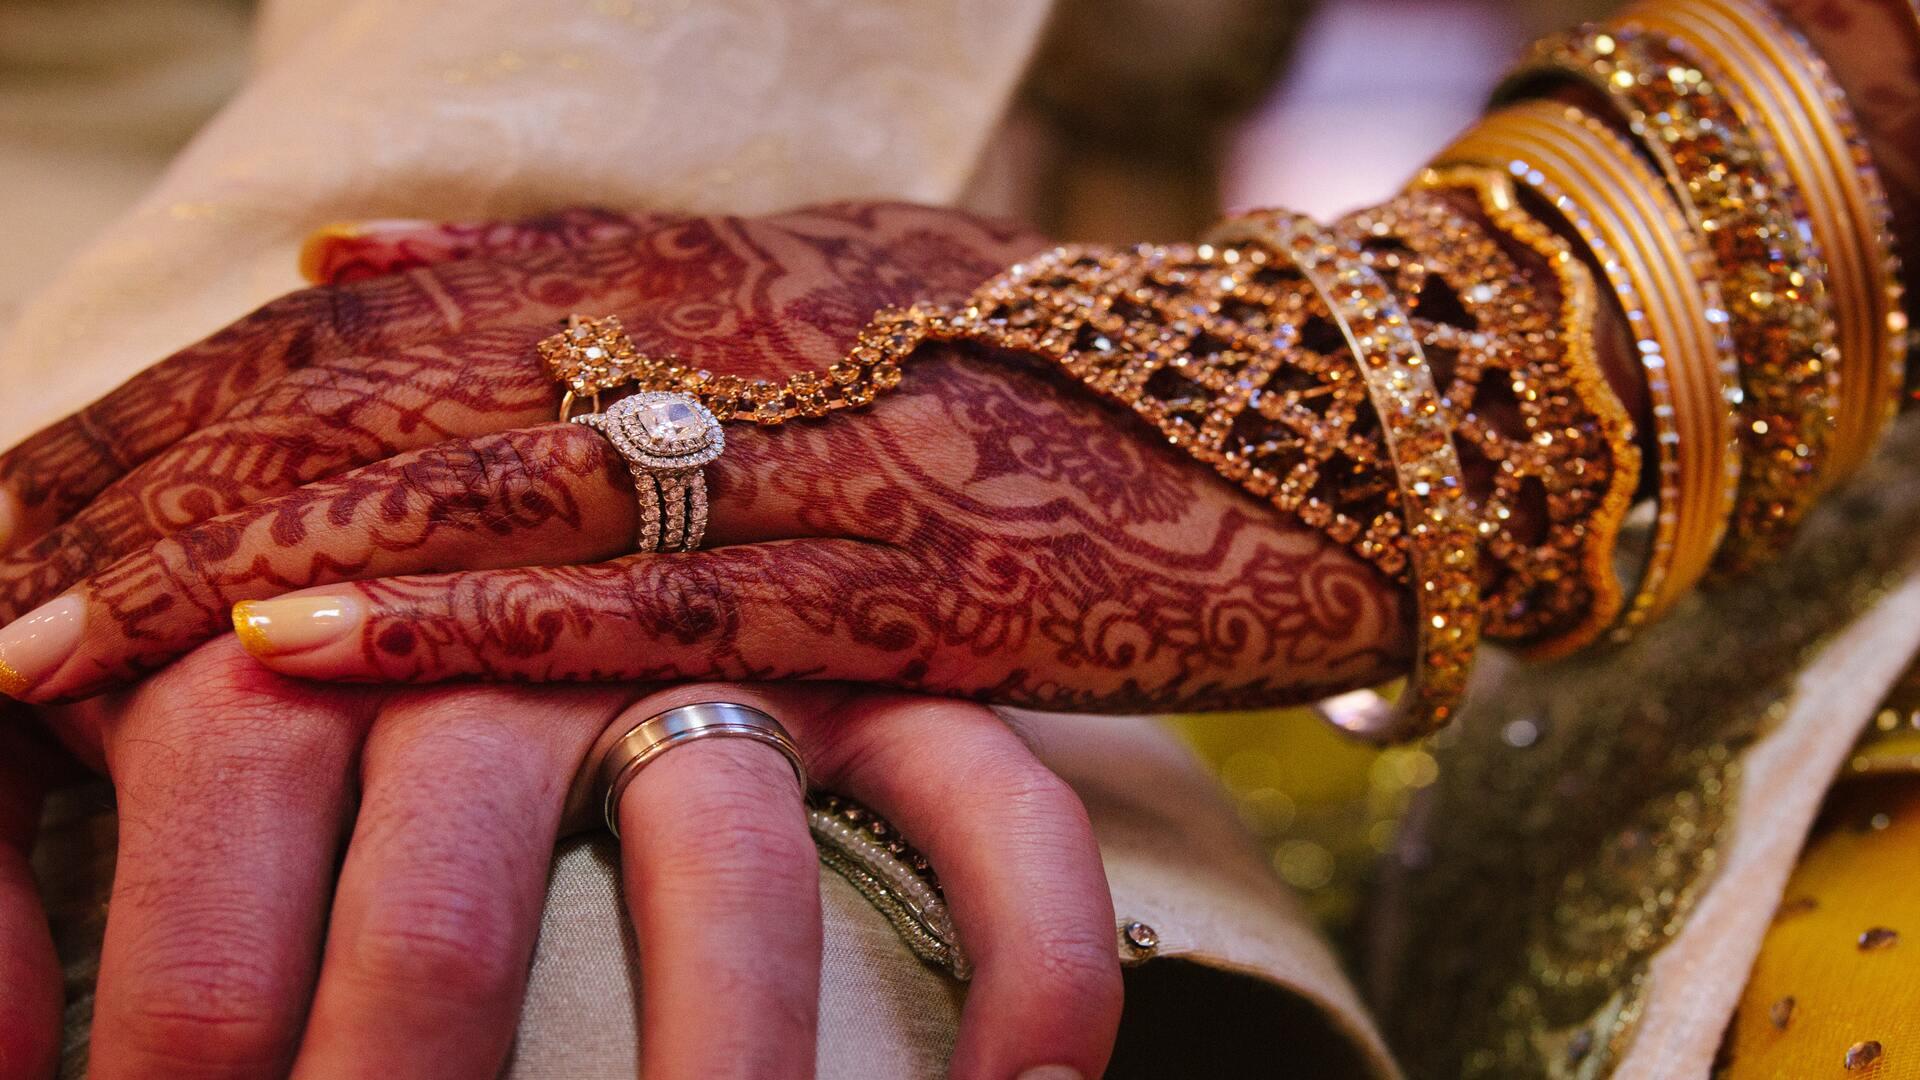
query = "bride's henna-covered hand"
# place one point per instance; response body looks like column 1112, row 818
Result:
column 331, row 378
column 316, row 340
column 985, row 529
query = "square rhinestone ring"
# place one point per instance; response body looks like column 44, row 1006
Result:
column 665, row 438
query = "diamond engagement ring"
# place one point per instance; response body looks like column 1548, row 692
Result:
column 666, row 438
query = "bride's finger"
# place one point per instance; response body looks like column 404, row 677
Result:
column 357, row 250
column 1020, row 868
column 753, row 296
column 61, row 468
column 722, row 881
column 552, row 494
column 795, row 609
column 315, row 422
column 438, row 903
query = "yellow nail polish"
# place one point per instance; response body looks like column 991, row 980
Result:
column 294, row 624
column 37, row 643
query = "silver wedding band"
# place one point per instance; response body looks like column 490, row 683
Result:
column 657, row 734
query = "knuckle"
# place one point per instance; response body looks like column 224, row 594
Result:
column 745, row 852
column 216, row 714
column 207, row 999
column 480, row 482
column 448, row 941
column 1084, row 968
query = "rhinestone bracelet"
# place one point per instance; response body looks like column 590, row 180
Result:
column 1796, row 101
column 1665, row 284
column 1442, row 533
column 1740, row 200
column 1513, row 355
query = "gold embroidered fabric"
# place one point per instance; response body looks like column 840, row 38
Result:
column 1580, row 812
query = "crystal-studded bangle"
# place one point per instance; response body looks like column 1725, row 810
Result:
column 1664, row 281
column 1512, row 349
column 1795, row 99
column 1442, row 545
column 1739, row 197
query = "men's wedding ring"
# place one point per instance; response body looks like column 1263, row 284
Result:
column 657, row 734
column 666, row 438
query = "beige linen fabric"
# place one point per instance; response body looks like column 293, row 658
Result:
column 1174, row 857
column 459, row 108
column 452, row 108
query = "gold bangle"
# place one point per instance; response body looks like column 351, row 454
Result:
column 1513, row 355
column 1796, row 98
column 1442, row 538
column 1740, row 199
column 1664, row 281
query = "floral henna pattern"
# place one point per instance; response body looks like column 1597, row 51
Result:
column 505, row 500
column 985, row 530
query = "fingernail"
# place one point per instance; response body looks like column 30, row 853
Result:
column 322, row 245
column 1052, row 1072
column 37, row 643
column 294, row 624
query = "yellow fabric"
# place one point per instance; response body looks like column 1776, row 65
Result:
column 1855, row 877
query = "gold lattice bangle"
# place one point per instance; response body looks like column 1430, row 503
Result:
column 1796, row 100
column 1442, row 534
column 1738, row 196
column 1664, row 282
column 1544, row 440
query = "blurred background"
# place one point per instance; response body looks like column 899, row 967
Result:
column 1140, row 120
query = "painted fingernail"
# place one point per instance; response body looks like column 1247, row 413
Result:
column 294, row 624
column 1052, row 1072
column 321, row 249
column 33, row 646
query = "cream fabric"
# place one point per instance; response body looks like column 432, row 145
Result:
column 1696, row 981
column 447, row 108
column 442, row 108
column 1174, row 857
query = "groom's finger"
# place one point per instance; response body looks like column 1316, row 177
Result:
column 30, row 992
column 233, row 790
column 438, row 904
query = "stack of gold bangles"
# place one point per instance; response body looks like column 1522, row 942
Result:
column 1420, row 383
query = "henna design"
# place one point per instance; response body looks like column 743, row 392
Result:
column 510, row 499
column 951, row 573
column 1002, row 535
